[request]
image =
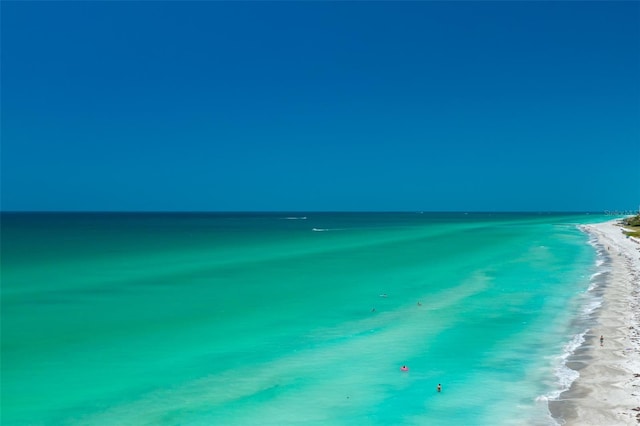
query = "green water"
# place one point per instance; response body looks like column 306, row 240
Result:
column 260, row 319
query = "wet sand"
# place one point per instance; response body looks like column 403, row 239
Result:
column 607, row 393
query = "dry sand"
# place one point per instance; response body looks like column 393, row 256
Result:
column 607, row 393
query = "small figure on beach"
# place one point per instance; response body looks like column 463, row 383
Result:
column 439, row 388
column 601, row 340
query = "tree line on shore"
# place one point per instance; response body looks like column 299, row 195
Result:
column 634, row 223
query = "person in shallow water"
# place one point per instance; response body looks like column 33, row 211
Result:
column 404, row 368
column 439, row 388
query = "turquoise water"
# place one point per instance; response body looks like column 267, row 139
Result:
column 275, row 319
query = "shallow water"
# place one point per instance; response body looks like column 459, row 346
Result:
column 279, row 319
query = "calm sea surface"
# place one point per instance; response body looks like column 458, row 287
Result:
column 276, row 319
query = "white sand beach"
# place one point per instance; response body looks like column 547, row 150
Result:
column 608, row 389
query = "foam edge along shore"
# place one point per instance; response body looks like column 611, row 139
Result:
column 606, row 389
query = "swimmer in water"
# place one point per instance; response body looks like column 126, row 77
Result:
column 439, row 388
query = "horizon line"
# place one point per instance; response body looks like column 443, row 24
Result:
column 619, row 212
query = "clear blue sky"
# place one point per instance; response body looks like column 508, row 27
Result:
column 320, row 106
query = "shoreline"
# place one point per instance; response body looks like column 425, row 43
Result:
column 607, row 392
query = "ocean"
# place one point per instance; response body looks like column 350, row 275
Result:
column 291, row 318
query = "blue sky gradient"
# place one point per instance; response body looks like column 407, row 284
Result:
column 516, row 106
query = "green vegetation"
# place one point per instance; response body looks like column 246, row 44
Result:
column 632, row 225
column 632, row 221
